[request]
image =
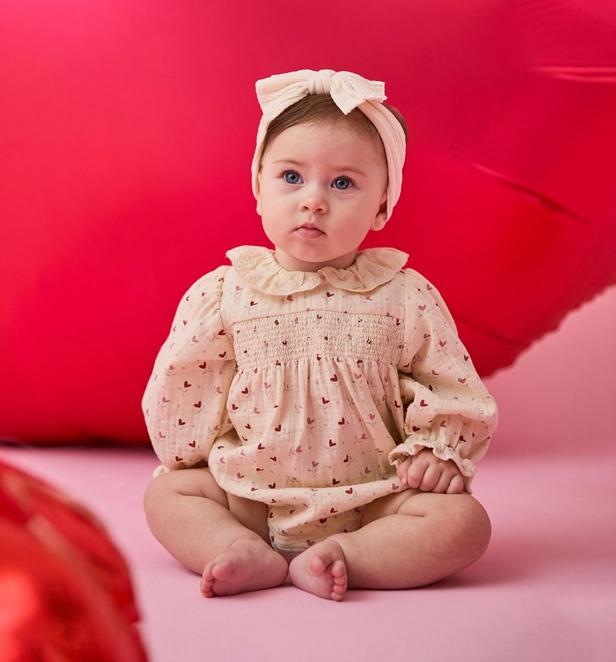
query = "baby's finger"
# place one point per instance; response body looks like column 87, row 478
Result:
column 443, row 483
column 431, row 478
column 402, row 470
column 416, row 473
column 457, row 485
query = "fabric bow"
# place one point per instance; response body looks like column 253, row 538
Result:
column 346, row 88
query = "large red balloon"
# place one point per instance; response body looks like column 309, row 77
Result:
column 65, row 589
column 127, row 134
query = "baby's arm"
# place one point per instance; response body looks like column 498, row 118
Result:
column 185, row 401
column 447, row 408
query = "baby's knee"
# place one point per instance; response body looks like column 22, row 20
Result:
column 473, row 524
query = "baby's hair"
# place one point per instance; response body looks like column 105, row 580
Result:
column 321, row 109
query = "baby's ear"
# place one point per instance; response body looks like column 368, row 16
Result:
column 259, row 192
column 381, row 218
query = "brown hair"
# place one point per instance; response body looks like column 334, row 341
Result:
column 321, row 109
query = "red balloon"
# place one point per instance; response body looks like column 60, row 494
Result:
column 65, row 588
column 128, row 132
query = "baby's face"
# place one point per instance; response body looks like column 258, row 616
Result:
column 320, row 188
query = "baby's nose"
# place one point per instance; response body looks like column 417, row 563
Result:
column 314, row 201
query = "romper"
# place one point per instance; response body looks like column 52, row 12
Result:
column 305, row 390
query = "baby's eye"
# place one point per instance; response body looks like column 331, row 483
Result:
column 339, row 179
column 291, row 172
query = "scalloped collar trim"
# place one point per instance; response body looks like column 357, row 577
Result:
column 257, row 266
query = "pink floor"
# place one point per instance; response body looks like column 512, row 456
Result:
column 545, row 590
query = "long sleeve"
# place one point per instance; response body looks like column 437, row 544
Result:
column 447, row 408
column 185, row 400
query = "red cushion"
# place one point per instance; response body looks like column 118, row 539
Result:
column 64, row 586
column 129, row 130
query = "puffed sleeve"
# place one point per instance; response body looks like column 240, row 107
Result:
column 447, row 408
column 185, row 400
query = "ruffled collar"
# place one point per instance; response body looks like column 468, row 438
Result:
column 257, row 266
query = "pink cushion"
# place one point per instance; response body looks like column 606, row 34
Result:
column 126, row 176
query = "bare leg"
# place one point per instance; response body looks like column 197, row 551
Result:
column 188, row 514
column 429, row 537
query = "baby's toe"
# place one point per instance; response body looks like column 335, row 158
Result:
column 339, row 580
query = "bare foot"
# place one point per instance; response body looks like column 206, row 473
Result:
column 246, row 565
column 321, row 569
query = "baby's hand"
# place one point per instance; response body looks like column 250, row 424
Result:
column 429, row 473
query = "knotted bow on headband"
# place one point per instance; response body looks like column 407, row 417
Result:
column 348, row 91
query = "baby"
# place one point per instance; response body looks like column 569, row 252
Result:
column 316, row 416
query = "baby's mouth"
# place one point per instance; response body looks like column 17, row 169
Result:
column 309, row 232
column 309, row 229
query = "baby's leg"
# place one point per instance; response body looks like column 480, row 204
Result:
column 406, row 539
column 189, row 514
column 410, row 539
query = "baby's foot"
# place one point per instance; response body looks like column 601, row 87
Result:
column 248, row 564
column 321, row 569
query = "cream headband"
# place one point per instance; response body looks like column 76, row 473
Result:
column 348, row 90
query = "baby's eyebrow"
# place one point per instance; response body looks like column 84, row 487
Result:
column 301, row 163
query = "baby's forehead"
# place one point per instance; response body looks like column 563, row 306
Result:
column 335, row 138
